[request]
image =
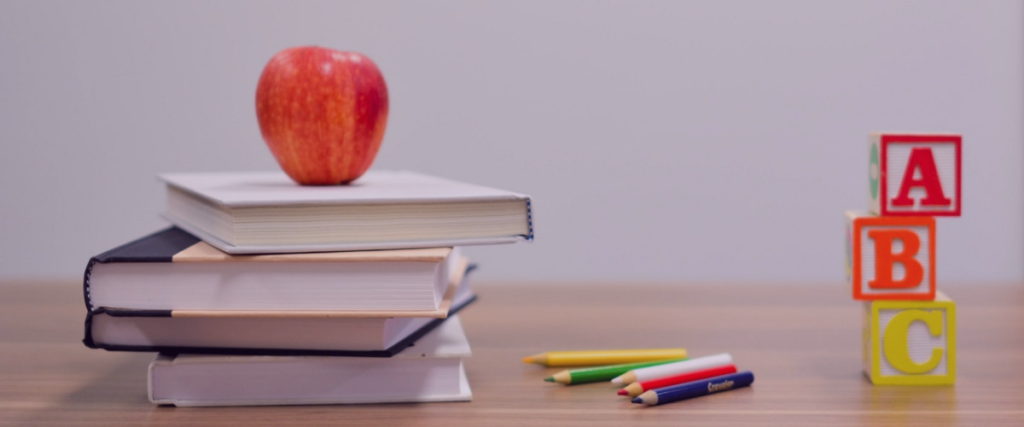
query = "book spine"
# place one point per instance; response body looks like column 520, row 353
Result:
column 88, row 341
column 86, row 283
column 529, row 219
column 157, row 247
column 91, row 343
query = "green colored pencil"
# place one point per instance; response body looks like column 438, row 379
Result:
column 601, row 373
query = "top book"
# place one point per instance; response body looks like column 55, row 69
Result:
column 265, row 212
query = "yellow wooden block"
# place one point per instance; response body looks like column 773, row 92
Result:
column 910, row 342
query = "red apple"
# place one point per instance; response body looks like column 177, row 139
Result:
column 322, row 112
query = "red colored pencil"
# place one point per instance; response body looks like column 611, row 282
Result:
column 639, row 387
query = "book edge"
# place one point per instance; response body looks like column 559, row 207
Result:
column 386, row 353
column 499, row 194
column 267, row 249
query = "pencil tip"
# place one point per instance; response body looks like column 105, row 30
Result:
column 623, row 392
column 617, row 380
column 538, row 359
column 550, row 379
column 638, row 400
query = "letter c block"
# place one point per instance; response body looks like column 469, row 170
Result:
column 890, row 258
column 910, row 342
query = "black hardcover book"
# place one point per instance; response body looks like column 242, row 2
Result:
column 173, row 254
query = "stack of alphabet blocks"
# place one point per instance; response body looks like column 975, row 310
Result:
column 909, row 326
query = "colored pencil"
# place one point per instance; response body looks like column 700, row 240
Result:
column 661, row 396
column 637, row 388
column 604, row 357
column 668, row 369
column 600, row 373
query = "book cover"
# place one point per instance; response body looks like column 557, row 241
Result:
column 430, row 371
column 265, row 212
column 458, row 304
column 173, row 270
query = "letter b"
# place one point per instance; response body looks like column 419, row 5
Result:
column 885, row 259
column 891, row 257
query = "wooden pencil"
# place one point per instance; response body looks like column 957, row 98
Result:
column 604, row 357
column 601, row 373
column 637, row 388
column 661, row 396
column 660, row 371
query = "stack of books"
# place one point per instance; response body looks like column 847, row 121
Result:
column 265, row 292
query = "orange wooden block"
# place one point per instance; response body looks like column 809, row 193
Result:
column 890, row 258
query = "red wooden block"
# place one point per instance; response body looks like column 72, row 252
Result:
column 890, row 258
column 914, row 174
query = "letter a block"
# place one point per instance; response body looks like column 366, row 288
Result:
column 910, row 342
column 914, row 174
column 890, row 258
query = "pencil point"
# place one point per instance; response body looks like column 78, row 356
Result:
column 623, row 392
column 625, row 379
column 563, row 377
column 638, row 400
column 540, row 359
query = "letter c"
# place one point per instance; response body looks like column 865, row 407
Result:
column 895, row 340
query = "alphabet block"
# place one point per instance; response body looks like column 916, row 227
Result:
column 890, row 258
column 910, row 342
column 914, row 174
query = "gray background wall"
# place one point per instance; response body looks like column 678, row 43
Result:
column 677, row 141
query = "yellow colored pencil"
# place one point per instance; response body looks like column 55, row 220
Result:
column 604, row 357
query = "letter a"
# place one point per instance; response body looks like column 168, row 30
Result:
column 884, row 259
column 921, row 158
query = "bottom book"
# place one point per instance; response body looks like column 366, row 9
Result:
column 430, row 370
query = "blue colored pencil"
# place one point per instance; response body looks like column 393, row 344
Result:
column 660, row 396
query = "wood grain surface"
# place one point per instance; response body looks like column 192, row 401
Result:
column 802, row 342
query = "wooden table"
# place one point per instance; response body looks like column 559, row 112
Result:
column 802, row 342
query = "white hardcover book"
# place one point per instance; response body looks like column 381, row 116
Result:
column 266, row 212
column 429, row 371
column 173, row 270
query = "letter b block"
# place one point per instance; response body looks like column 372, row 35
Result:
column 890, row 258
column 914, row 174
column 910, row 342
